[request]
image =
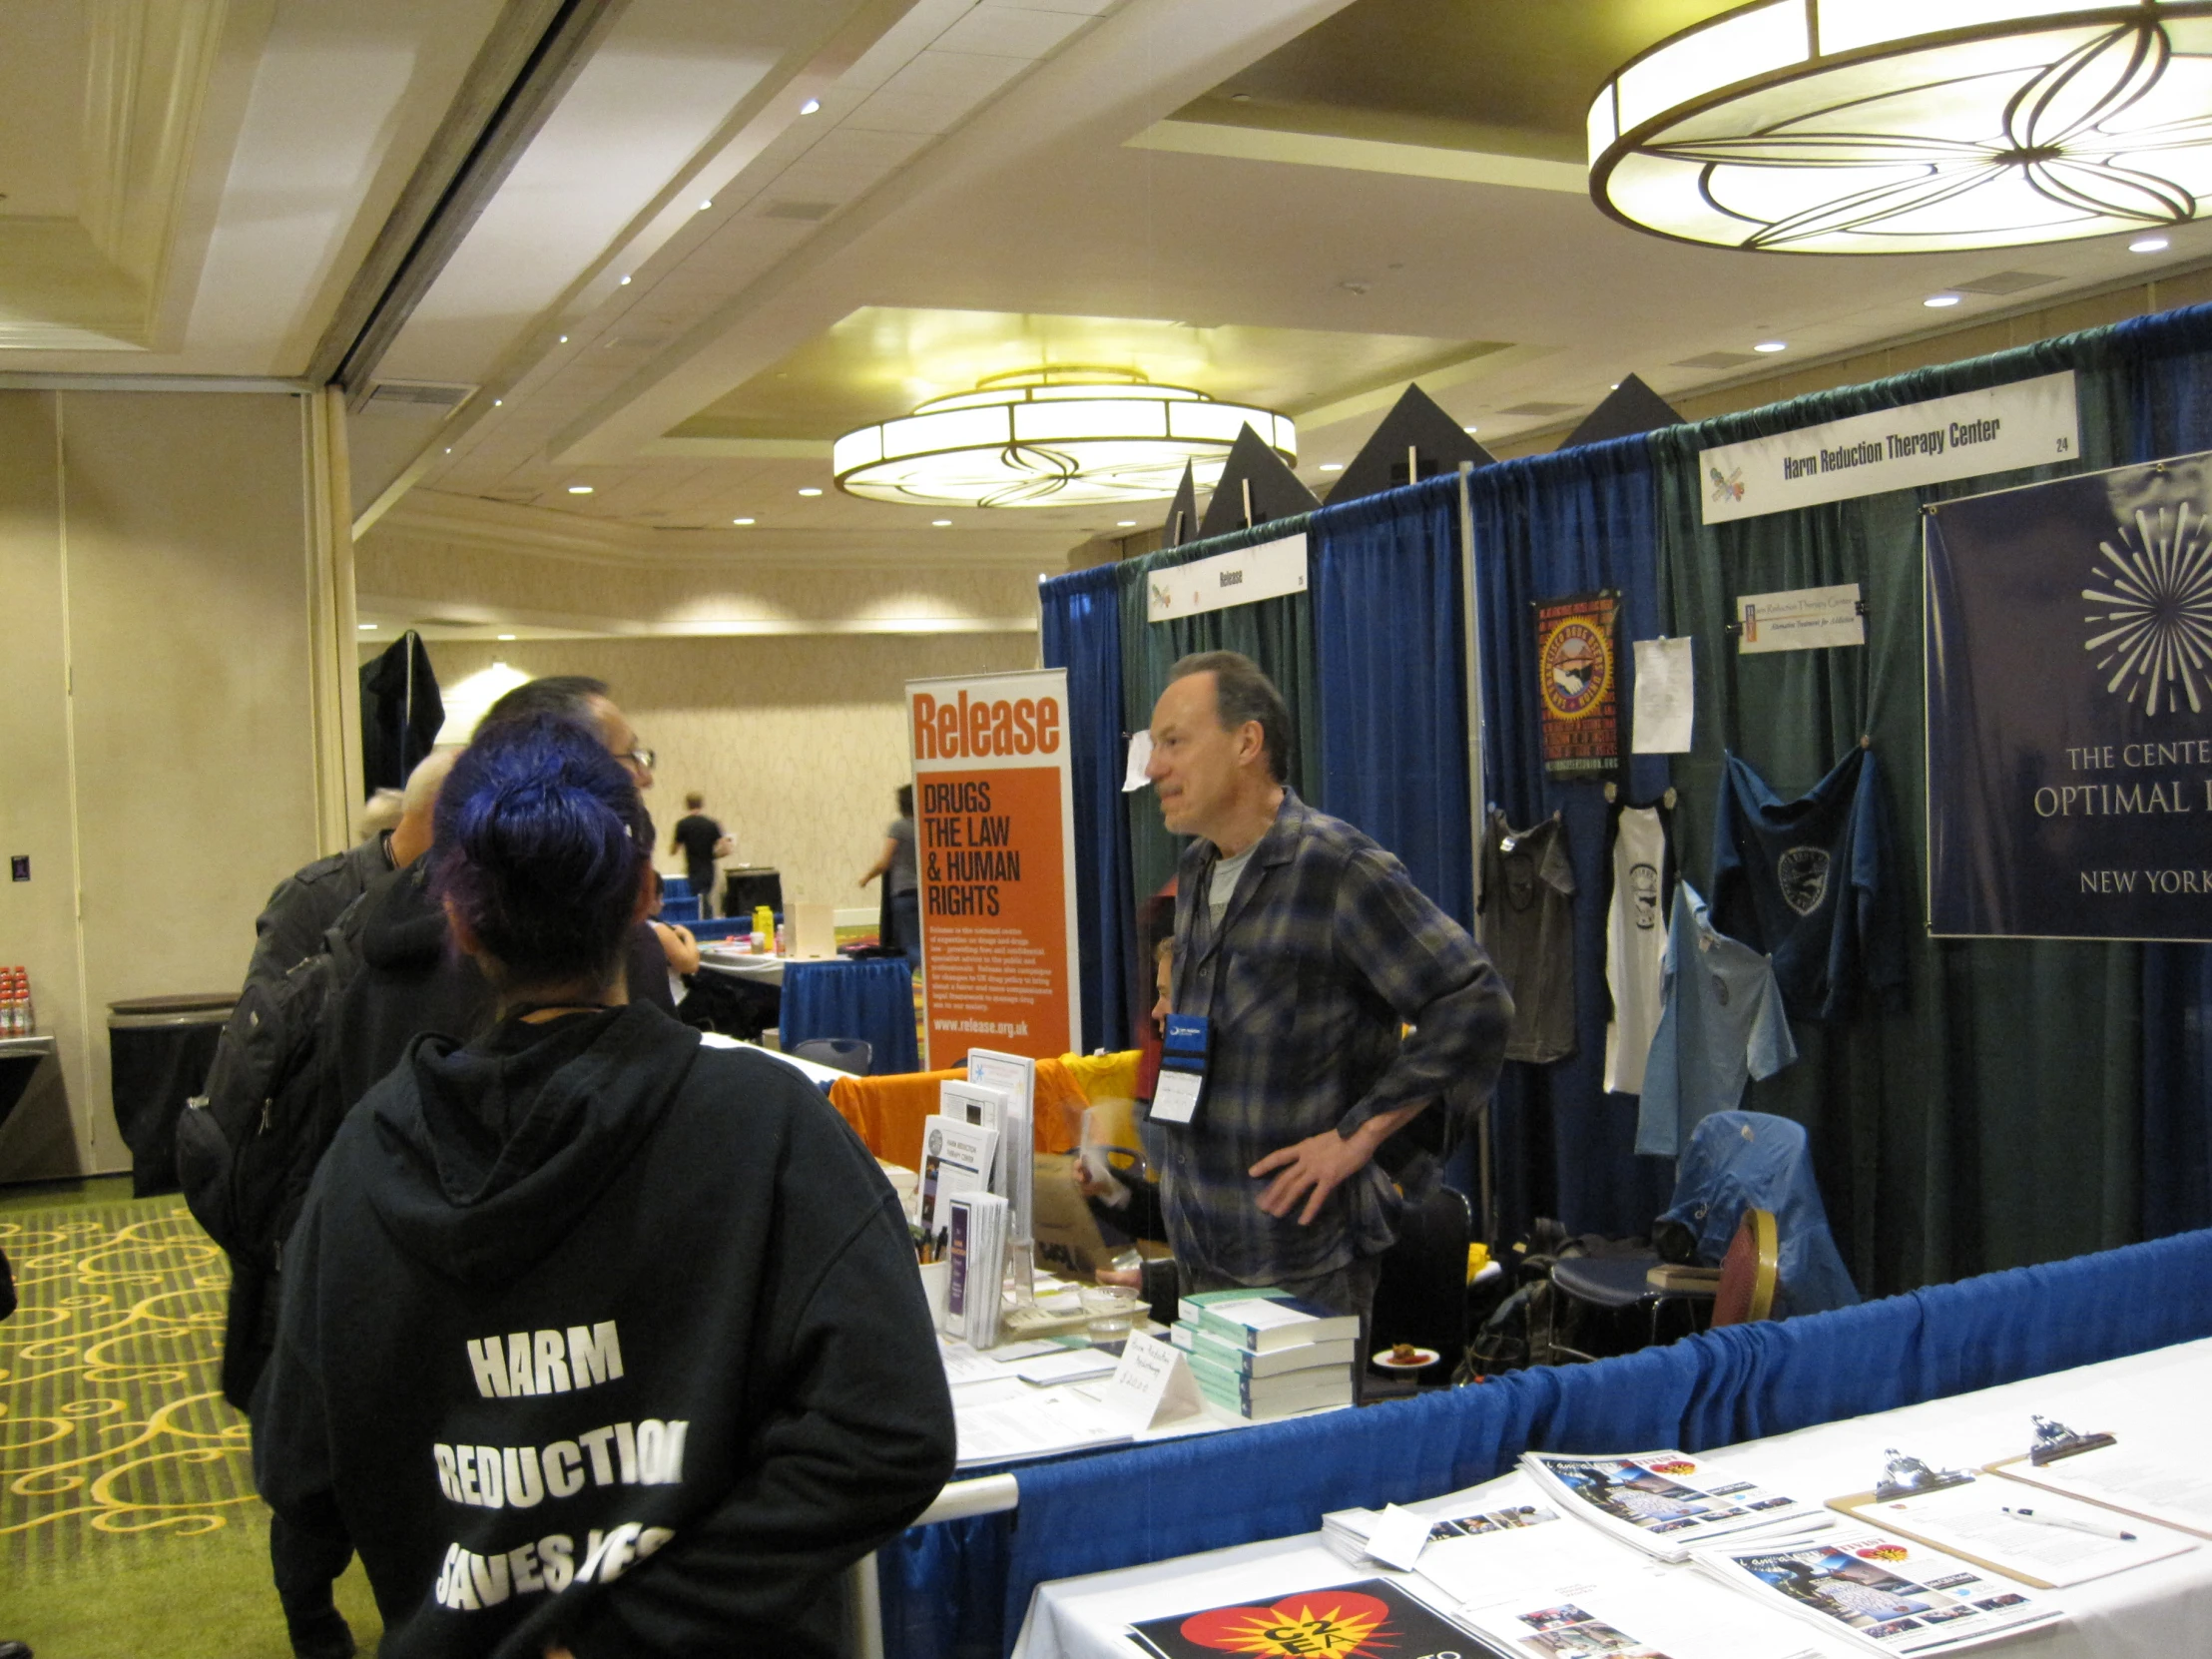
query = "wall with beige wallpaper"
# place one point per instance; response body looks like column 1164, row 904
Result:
column 797, row 742
column 159, row 757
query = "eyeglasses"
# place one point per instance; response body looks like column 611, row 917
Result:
column 642, row 757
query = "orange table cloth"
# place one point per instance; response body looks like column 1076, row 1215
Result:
column 887, row 1112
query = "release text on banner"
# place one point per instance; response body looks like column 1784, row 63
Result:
column 992, row 808
column 1970, row 435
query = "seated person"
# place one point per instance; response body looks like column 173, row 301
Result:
column 594, row 1342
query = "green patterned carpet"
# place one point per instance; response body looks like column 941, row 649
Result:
column 128, row 1518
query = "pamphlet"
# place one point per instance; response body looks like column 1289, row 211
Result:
column 978, row 1255
column 955, row 1159
column 1882, row 1591
column 983, row 1107
column 1014, row 1076
column 1367, row 1620
column 1667, row 1502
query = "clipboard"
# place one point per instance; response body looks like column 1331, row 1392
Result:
column 2026, row 1474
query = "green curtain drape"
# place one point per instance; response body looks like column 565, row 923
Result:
column 1996, row 1121
column 1278, row 634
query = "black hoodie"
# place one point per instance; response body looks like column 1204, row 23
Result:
column 594, row 1336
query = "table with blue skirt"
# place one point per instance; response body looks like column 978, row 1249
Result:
column 840, row 996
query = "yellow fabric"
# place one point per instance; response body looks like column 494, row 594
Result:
column 1104, row 1076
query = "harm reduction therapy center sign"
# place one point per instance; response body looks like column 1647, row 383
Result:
column 2069, row 708
column 1970, row 435
column 993, row 802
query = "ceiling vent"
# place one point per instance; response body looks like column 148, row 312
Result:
column 419, row 394
column 1718, row 359
column 2004, row 281
column 1541, row 409
column 809, row 211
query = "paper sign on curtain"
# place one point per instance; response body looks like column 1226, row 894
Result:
column 1666, row 697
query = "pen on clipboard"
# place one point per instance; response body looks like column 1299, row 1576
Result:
column 2071, row 1524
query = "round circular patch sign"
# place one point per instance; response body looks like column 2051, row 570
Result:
column 1575, row 667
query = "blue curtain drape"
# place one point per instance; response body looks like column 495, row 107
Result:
column 1081, row 625
column 1390, row 661
column 872, row 1000
column 1548, row 526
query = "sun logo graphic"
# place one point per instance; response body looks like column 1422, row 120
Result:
column 1891, row 1554
column 2155, row 631
column 1322, row 1624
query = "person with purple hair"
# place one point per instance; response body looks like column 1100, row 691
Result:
column 594, row 1340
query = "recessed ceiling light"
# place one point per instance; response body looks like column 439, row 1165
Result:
column 564, row 340
column 449, row 449
column 1240, row 98
column 499, row 402
column 621, row 283
column 940, row 524
column 1467, row 428
column 2147, row 244
column 811, row 105
column 1615, row 387
column 1772, row 345
column 810, row 490
column 366, row 627
column 740, row 521
column 579, row 489
column 705, row 204
column 1332, row 466
column 1936, row 301
column 1125, row 524
column 507, row 636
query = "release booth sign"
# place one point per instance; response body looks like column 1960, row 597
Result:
column 2069, row 708
column 993, row 803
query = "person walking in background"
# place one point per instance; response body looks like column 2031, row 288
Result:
column 901, row 884
column 701, row 841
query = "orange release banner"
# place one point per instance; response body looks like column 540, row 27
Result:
column 993, row 803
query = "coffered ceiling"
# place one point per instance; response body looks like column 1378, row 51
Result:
column 625, row 268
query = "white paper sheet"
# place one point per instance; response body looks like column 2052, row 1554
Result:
column 1666, row 697
column 1140, row 756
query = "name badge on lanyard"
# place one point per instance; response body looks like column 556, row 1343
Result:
column 1184, row 1050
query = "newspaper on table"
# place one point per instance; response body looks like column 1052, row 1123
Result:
column 1882, row 1591
column 1553, row 1592
column 1667, row 1502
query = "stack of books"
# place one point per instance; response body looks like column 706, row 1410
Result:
column 1260, row 1353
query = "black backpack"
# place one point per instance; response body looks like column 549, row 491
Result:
column 248, row 1147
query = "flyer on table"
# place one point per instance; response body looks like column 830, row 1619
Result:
column 993, row 802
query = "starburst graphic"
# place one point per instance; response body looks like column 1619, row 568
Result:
column 1338, row 1624
column 2156, row 630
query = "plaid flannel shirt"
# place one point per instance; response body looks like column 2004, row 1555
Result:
column 1326, row 949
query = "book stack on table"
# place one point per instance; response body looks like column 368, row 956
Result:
column 1258, row 1354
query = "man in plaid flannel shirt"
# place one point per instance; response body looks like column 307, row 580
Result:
column 1306, row 947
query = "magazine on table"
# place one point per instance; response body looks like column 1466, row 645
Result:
column 1370, row 1619
column 1883, row 1591
column 1509, row 1505
column 1667, row 1502
column 2041, row 1539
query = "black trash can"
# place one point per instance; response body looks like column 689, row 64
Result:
column 158, row 1052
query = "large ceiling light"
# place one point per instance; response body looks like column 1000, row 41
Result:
column 1051, row 437
column 1911, row 125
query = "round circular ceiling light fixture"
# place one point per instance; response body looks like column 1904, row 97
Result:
column 1064, row 436
column 1911, row 125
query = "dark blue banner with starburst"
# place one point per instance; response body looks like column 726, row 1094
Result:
column 2069, row 708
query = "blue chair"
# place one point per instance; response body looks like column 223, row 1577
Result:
column 850, row 1056
column 1736, row 1162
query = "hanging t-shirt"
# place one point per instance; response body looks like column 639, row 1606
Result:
column 1809, row 882
column 1527, row 928
column 1635, row 942
column 1720, row 1024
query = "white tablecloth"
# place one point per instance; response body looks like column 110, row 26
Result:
column 761, row 970
column 2159, row 1611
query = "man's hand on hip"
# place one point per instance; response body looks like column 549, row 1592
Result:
column 1316, row 1166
